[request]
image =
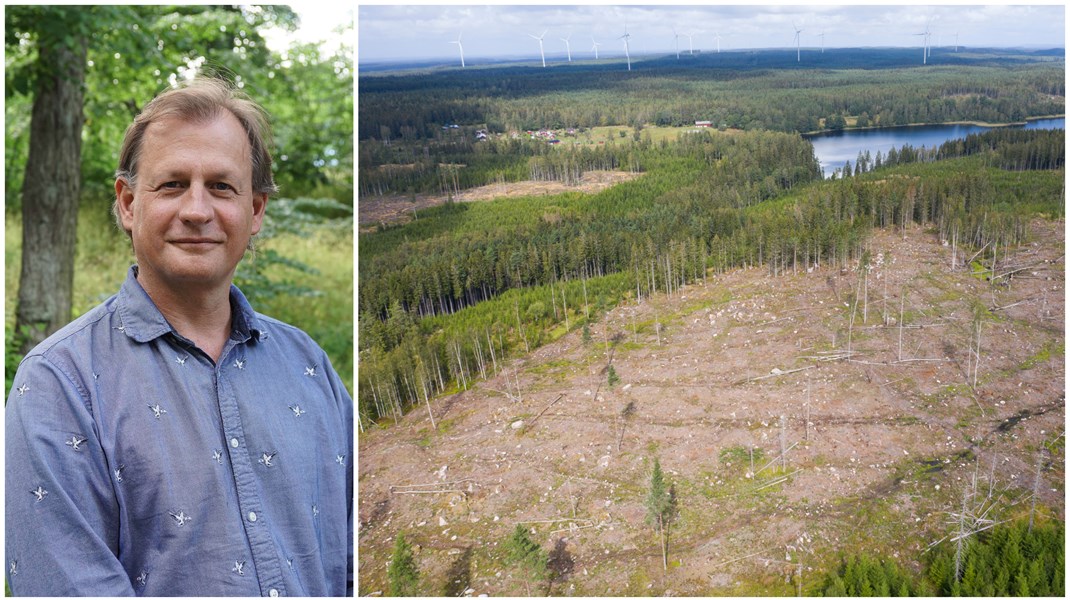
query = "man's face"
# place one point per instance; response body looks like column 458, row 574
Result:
column 192, row 210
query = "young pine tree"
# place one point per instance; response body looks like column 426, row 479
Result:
column 402, row 575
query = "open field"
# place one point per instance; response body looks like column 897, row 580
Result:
column 881, row 443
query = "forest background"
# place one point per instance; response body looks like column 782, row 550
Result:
column 302, row 271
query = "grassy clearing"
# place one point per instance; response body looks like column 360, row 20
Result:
column 103, row 256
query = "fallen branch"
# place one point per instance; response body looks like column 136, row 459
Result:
column 532, row 422
column 777, row 373
column 728, row 562
column 776, row 459
column 438, row 484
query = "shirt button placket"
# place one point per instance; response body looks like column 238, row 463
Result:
column 263, row 552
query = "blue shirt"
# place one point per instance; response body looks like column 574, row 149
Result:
column 137, row 466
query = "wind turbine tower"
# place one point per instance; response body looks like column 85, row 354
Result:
column 822, row 35
column 718, row 37
column 595, row 48
column 676, row 39
column 690, row 43
column 459, row 47
column 798, row 47
column 625, row 37
column 540, row 46
column 568, row 48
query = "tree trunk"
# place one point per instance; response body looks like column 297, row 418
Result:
column 50, row 191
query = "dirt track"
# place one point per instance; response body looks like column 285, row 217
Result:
column 892, row 439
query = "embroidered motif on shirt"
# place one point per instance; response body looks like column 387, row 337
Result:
column 119, row 473
column 121, row 327
column 76, row 443
column 96, row 376
column 239, row 364
column 181, row 359
column 181, row 518
column 290, row 563
column 310, row 371
column 40, row 492
column 297, row 410
column 266, row 458
column 142, row 579
column 14, row 570
column 340, row 459
column 157, row 411
column 23, row 389
column 218, row 456
column 239, row 567
column 315, row 511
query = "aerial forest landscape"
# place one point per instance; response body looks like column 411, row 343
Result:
column 641, row 314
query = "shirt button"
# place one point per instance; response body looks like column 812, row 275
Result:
column 274, row 593
column 252, row 517
column 233, row 442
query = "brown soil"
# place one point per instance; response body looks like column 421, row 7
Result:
column 371, row 211
column 890, row 447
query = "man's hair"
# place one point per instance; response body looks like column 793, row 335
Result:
column 200, row 100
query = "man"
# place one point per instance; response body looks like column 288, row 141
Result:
column 172, row 441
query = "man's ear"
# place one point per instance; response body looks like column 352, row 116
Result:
column 124, row 203
column 259, row 208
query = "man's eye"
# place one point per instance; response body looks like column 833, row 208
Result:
column 220, row 186
column 171, row 185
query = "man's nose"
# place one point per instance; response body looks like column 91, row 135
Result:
column 196, row 204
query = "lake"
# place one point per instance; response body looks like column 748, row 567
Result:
column 835, row 148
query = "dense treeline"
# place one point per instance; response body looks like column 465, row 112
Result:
column 444, row 299
column 508, row 99
column 1009, row 560
column 455, row 162
column 693, row 190
column 1004, row 148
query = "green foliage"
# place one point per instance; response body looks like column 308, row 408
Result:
column 526, row 555
column 660, row 501
column 1007, row 560
column 402, row 574
column 136, row 51
column 863, row 575
column 611, row 376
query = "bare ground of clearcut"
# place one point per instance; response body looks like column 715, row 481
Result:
column 395, row 208
column 890, row 448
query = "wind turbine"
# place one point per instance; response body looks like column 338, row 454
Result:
column 690, row 43
column 718, row 36
column 540, row 45
column 822, row 35
column 626, row 53
column 595, row 48
column 798, row 48
column 924, row 53
column 676, row 39
column 956, row 41
column 568, row 48
column 460, row 47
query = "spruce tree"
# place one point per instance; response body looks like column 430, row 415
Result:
column 402, row 575
column 526, row 554
column 661, row 509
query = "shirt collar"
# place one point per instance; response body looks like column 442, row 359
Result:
column 142, row 321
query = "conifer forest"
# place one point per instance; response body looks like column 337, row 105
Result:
column 619, row 335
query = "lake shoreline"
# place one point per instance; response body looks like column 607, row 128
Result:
column 975, row 123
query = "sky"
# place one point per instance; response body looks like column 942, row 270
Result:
column 407, row 32
column 319, row 23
